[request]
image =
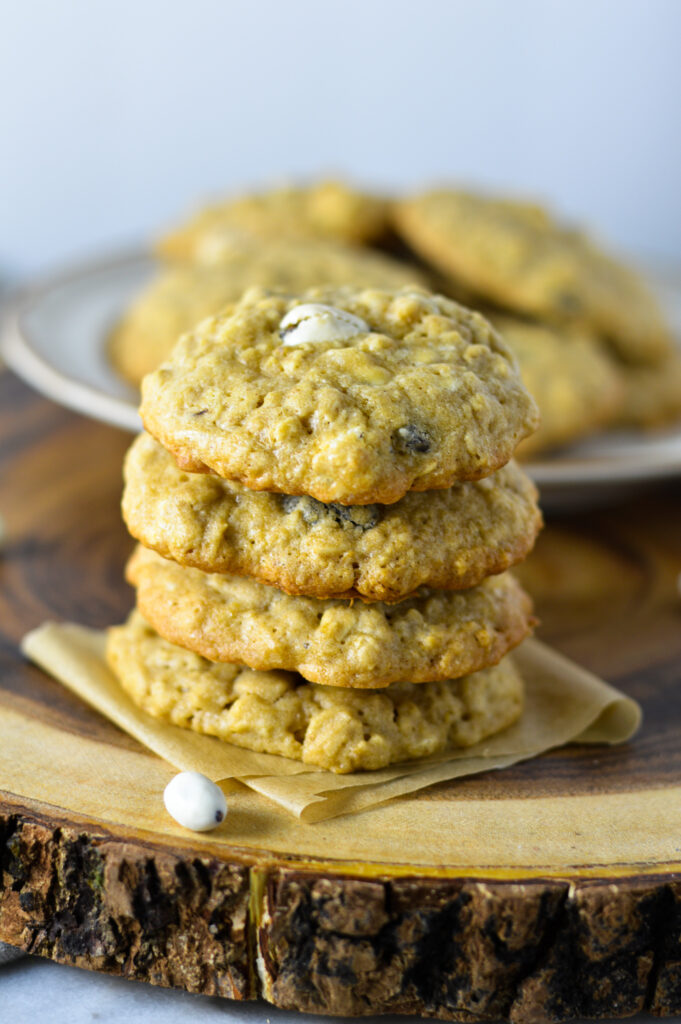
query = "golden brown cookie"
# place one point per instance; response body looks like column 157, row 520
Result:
column 576, row 384
column 279, row 713
column 326, row 210
column 652, row 394
column 180, row 297
column 434, row 635
column 452, row 538
column 348, row 396
column 174, row 302
column 516, row 255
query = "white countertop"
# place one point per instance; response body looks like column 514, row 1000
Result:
column 38, row 990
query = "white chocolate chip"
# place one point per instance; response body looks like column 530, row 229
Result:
column 315, row 322
column 194, row 801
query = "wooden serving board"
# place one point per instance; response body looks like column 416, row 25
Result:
column 555, row 892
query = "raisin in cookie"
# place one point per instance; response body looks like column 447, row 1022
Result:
column 327, row 210
column 348, row 396
column 280, row 713
column 182, row 296
column 516, row 255
column 436, row 634
column 452, row 538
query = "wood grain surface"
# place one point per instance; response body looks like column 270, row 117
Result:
column 556, row 892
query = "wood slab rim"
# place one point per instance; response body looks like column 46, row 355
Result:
column 330, row 945
column 256, row 857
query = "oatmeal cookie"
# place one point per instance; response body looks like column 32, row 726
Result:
column 280, row 713
column 327, row 210
column 180, row 297
column 516, row 255
column 452, row 538
column 347, row 396
column 652, row 394
column 575, row 382
column 436, row 634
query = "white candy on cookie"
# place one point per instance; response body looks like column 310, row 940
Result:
column 314, row 322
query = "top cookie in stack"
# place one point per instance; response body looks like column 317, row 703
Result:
column 343, row 395
column 340, row 443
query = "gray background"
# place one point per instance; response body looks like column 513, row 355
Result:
column 114, row 117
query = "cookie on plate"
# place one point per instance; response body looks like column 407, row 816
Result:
column 576, row 384
column 652, row 394
column 280, row 713
column 437, row 634
column 344, row 395
column 180, row 297
column 514, row 254
column 452, row 538
column 327, row 210
column 174, row 302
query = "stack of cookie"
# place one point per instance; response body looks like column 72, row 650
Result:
column 326, row 510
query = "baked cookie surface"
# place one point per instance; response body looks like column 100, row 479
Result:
column 279, row 713
column 434, row 635
column 326, row 210
column 452, row 538
column 398, row 391
column 181, row 296
column 516, row 255
column 575, row 382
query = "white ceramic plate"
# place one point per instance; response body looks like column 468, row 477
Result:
column 54, row 336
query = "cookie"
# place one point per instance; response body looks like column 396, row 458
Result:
column 652, row 394
column 180, row 297
column 326, row 210
column 576, row 384
column 374, row 394
column 436, row 634
column 174, row 302
column 452, row 538
column 279, row 713
column 516, row 255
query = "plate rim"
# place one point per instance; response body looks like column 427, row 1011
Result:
column 20, row 355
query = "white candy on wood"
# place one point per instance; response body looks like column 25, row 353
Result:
column 194, row 801
column 314, row 321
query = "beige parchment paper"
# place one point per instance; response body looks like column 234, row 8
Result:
column 564, row 704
